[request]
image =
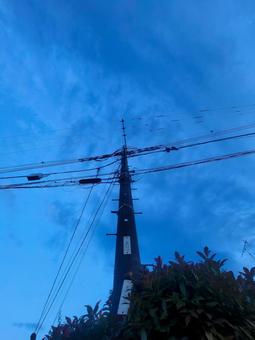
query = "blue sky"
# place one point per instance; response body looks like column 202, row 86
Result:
column 69, row 70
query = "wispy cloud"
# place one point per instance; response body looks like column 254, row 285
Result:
column 78, row 68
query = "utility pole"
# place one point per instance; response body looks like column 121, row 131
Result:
column 127, row 256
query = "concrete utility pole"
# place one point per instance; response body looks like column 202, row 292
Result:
column 127, row 256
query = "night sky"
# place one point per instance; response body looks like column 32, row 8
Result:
column 69, row 71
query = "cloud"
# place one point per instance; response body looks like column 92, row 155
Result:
column 78, row 68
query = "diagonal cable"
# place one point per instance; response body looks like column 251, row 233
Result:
column 81, row 259
column 64, row 257
column 74, row 258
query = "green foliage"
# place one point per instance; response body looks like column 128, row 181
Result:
column 96, row 324
column 186, row 300
column 176, row 301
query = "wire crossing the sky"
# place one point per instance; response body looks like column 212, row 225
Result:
column 74, row 258
column 130, row 152
column 82, row 258
column 191, row 163
column 70, row 263
column 64, row 258
column 106, row 177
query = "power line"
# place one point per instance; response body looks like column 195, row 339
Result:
column 55, row 185
column 245, row 249
column 175, row 147
column 207, row 109
column 131, row 153
column 55, row 182
column 62, row 172
column 217, row 133
column 117, row 153
column 222, row 108
column 218, row 140
column 64, row 257
column 74, row 258
column 191, row 163
column 81, row 259
column 45, row 164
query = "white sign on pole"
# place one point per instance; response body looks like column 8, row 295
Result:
column 124, row 302
column 126, row 245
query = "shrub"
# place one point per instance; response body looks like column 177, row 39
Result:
column 178, row 300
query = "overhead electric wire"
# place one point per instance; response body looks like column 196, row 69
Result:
column 74, row 258
column 249, row 253
column 225, row 108
column 64, row 257
column 191, row 163
column 54, row 181
column 168, row 147
column 72, row 262
column 76, row 142
column 205, row 109
column 81, row 259
column 131, row 153
column 178, row 144
column 45, row 164
column 62, row 172
column 64, row 184
column 216, row 133
column 117, row 153
column 116, row 174
column 200, row 111
column 218, row 140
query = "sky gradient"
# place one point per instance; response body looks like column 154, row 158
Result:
column 69, row 71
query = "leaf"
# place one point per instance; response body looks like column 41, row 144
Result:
column 221, row 262
column 180, row 304
column 159, row 262
column 208, row 335
column 201, row 255
column 183, row 289
column 248, row 335
column 179, row 258
column 212, row 256
column 90, row 312
column 68, row 320
column 246, row 270
column 206, row 251
column 251, row 323
column 164, row 309
column 187, row 320
column 143, row 335
column 96, row 307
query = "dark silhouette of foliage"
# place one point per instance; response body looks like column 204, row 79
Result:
column 176, row 301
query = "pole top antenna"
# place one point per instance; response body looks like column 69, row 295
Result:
column 124, row 132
